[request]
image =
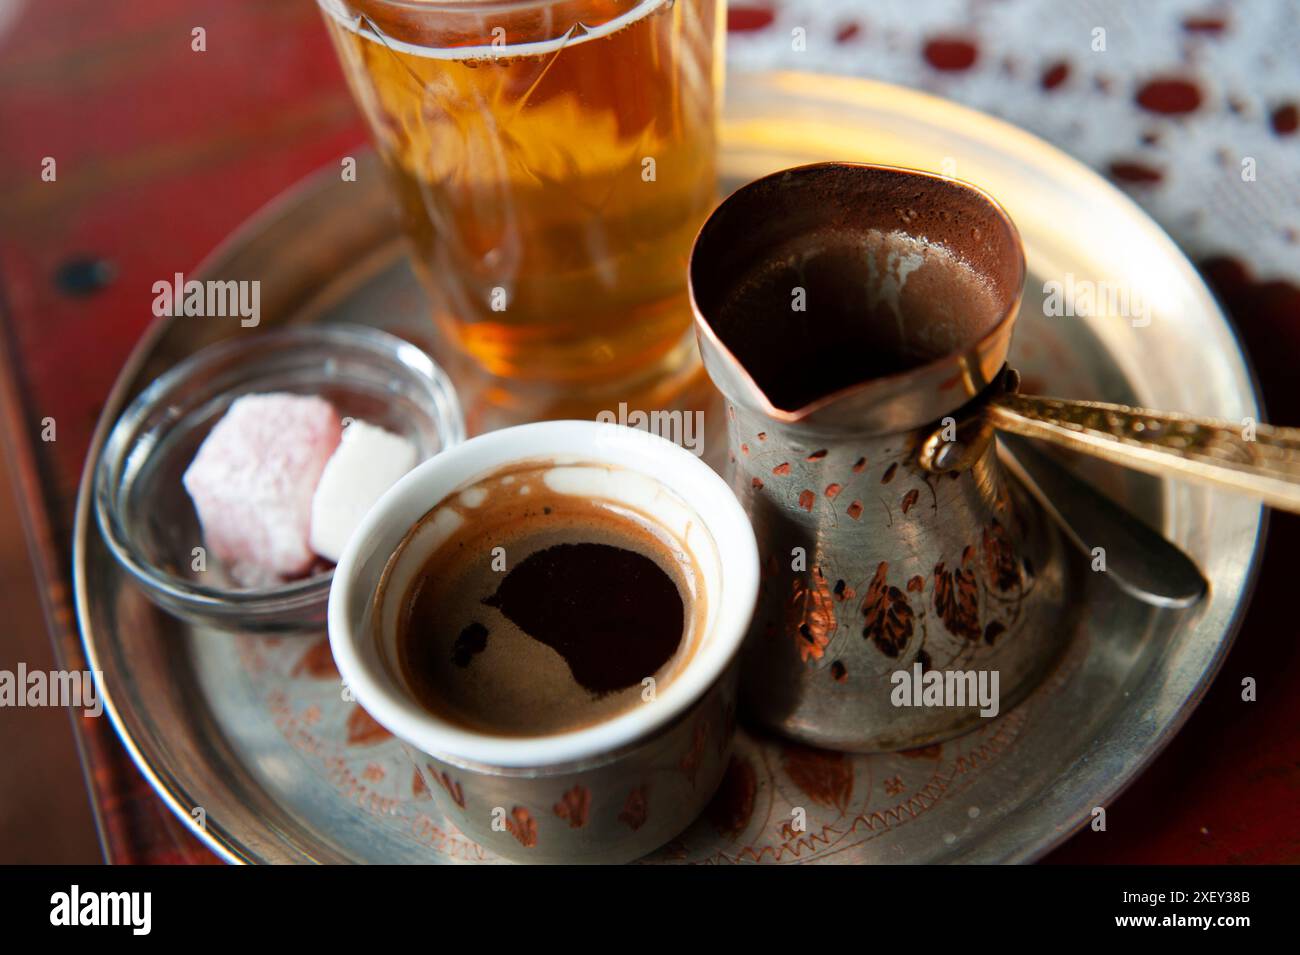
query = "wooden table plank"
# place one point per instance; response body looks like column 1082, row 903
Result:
column 161, row 152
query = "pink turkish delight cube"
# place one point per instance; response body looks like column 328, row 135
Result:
column 252, row 483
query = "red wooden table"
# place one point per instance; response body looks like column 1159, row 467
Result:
column 160, row 151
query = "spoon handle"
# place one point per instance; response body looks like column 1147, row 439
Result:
column 1256, row 459
column 1139, row 560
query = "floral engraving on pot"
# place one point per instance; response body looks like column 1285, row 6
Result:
column 843, row 592
column 956, row 597
column 811, row 616
column 930, row 569
column 1000, row 563
column 889, row 618
column 574, row 806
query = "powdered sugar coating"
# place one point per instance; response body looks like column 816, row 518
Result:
column 368, row 461
column 253, row 479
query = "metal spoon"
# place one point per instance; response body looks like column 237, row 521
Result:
column 1138, row 559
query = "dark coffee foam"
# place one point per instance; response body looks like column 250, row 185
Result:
column 545, row 611
column 614, row 614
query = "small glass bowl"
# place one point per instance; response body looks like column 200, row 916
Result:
column 146, row 514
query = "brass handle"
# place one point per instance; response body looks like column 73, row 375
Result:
column 1256, row 459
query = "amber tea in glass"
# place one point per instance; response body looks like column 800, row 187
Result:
column 553, row 161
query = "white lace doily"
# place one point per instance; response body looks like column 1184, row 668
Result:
column 1174, row 108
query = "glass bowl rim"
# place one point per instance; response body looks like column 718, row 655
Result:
column 295, row 594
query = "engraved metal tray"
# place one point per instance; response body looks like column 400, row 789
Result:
column 254, row 731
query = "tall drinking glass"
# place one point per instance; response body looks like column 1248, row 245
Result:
column 553, row 160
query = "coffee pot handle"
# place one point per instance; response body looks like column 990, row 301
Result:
column 1256, row 459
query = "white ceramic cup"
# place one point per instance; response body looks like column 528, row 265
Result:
column 612, row 791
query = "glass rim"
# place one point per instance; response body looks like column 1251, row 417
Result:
column 481, row 6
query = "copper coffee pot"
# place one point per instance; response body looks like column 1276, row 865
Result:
column 857, row 320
